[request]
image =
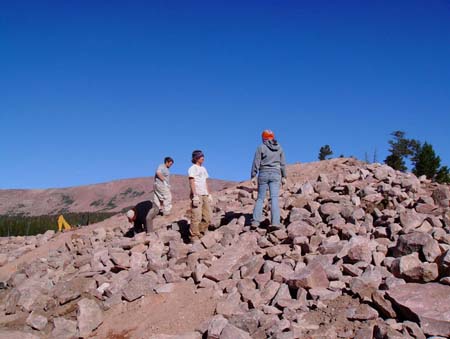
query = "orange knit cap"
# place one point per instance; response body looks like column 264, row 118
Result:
column 268, row 135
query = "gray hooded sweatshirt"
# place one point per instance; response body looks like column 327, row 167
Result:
column 269, row 156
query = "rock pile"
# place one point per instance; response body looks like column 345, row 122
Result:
column 12, row 248
column 364, row 254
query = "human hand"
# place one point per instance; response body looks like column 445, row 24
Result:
column 283, row 181
column 195, row 201
column 254, row 181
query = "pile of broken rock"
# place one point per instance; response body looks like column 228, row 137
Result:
column 364, row 254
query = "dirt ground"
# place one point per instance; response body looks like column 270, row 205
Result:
column 180, row 311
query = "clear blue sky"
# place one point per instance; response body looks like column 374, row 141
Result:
column 92, row 91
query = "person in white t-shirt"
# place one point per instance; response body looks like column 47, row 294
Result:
column 201, row 199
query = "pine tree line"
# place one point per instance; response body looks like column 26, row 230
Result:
column 15, row 225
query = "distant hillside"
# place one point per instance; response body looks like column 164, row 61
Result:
column 105, row 197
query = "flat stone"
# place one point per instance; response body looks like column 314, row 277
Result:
column 64, row 329
column 330, row 209
column 312, row 276
column 383, row 306
column 166, row 288
column 361, row 312
column 138, row 261
column 359, row 249
column 277, row 250
column 413, row 329
column 410, row 220
column 300, row 229
column 89, row 316
column 121, row 259
column 323, row 294
column 138, row 287
column 216, row 326
column 410, row 268
column 233, row 258
column 37, row 321
column 230, row 305
column 252, row 268
column 427, row 303
column 269, row 291
column 232, row 332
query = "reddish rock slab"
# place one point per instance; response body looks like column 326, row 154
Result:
column 428, row 304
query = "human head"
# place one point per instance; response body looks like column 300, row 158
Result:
column 267, row 135
column 168, row 161
column 131, row 215
column 198, row 157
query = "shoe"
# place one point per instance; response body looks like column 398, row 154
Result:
column 255, row 224
column 276, row 227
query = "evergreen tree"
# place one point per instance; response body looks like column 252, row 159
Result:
column 426, row 162
column 324, row 152
column 401, row 148
column 443, row 175
column 396, row 162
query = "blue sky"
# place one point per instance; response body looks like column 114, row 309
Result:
column 92, row 91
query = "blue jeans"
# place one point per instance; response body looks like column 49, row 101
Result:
column 272, row 181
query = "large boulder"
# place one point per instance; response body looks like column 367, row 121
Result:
column 410, row 268
column 233, row 258
column 441, row 196
column 312, row 276
column 360, row 249
column 417, row 242
column 427, row 304
column 411, row 220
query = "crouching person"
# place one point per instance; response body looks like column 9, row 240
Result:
column 142, row 215
column 201, row 199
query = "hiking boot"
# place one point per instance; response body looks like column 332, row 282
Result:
column 276, row 227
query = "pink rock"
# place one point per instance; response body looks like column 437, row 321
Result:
column 429, row 303
column 312, row 276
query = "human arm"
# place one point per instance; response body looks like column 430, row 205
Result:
column 192, row 186
column 256, row 163
column 160, row 176
column 283, row 164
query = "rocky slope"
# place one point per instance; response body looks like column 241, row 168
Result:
column 364, row 254
column 107, row 197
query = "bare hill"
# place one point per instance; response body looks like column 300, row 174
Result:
column 106, row 197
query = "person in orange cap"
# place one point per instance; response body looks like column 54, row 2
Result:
column 269, row 164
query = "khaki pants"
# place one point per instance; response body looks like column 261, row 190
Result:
column 162, row 197
column 201, row 216
column 149, row 219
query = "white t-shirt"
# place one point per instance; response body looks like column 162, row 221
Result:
column 200, row 175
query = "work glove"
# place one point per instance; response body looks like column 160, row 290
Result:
column 210, row 198
column 283, row 181
column 254, row 181
column 195, row 201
